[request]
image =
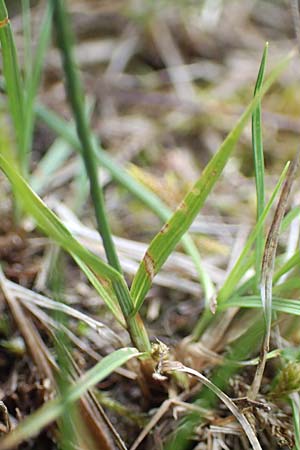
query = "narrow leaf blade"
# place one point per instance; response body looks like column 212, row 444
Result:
column 53, row 409
column 55, row 229
column 258, row 156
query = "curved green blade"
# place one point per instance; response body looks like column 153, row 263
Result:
column 53, row 409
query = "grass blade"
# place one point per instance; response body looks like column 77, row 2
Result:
column 56, row 155
column 258, row 156
column 294, row 400
column 27, row 38
column 110, row 300
column 53, row 409
column 249, row 285
column 52, row 226
column 33, row 76
column 169, row 236
column 284, row 305
column 54, row 158
column 13, row 83
column 21, row 98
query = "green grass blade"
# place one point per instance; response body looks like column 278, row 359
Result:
column 52, row 226
column 296, row 420
column 289, row 217
column 268, row 265
column 258, row 156
column 123, row 177
column 53, row 409
column 287, row 266
column 285, row 305
column 289, row 287
column 166, row 240
column 27, row 39
column 13, row 82
column 56, row 155
column 241, row 265
column 33, row 77
column 109, row 299
column 54, row 158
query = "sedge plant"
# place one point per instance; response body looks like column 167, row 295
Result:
column 107, row 277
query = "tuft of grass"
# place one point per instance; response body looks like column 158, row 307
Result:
column 243, row 263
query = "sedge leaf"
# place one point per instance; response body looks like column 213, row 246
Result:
column 258, row 156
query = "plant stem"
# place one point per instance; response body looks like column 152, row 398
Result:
column 135, row 325
column 76, row 98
